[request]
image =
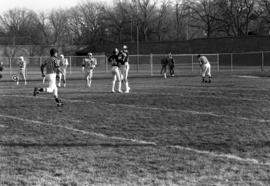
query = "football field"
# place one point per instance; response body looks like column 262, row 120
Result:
column 173, row 131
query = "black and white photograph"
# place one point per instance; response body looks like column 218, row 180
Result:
column 134, row 92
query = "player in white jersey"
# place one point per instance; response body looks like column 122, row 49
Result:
column 63, row 64
column 88, row 67
column 52, row 67
column 205, row 67
column 22, row 70
column 125, row 67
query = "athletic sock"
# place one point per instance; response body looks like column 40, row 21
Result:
column 57, row 100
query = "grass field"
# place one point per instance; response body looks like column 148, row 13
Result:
column 172, row 131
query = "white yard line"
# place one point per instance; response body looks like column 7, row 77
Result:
column 251, row 77
column 151, row 108
column 142, row 142
column 75, row 130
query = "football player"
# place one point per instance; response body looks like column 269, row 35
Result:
column 63, row 70
column 125, row 67
column 164, row 63
column 171, row 63
column 52, row 67
column 205, row 67
column 22, row 70
column 115, row 60
column 88, row 67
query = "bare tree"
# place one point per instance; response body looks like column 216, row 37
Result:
column 182, row 18
column 236, row 16
column 146, row 15
column 163, row 21
column 204, row 16
column 117, row 18
column 18, row 23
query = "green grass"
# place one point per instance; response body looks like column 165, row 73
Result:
column 229, row 117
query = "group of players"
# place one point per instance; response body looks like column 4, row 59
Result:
column 167, row 61
column 56, row 69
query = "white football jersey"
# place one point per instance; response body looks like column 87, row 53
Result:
column 203, row 60
column 90, row 63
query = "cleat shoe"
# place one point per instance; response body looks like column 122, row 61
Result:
column 209, row 81
column 35, row 91
column 60, row 104
column 120, row 91
column 65, row 85
column 127, row 91
column 112, row 91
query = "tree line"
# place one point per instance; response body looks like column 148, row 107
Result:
column 125, row 20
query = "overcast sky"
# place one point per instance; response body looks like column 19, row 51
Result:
column 41, row 5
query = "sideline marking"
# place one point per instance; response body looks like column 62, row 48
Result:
column 250, row 77
column 208, row 153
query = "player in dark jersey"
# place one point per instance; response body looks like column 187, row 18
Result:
column 52, row 68
column 115, row 60
column 164, row 63
column 1, row 69
column 125, row 67
column 171, row 63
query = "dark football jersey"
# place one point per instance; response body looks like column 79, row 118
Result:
column 115, row 60
column 51, row 65
column 124, row 57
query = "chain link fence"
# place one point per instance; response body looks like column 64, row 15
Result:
column 149, row 65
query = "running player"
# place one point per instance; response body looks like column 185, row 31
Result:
column 63, row 70
column 115, row 60
column 88, row 67
column 125, row 67
column 22, row 70
column 205, row 67
column 51, row 66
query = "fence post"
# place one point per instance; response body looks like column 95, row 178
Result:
column 106, row 64
column 218, row 62
column 70, row 68
column 40, row 60
column 151, row 64
column 10, row 66
column 138, row 58
column 262, row 65
column 231, row 62
column 192, row 61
